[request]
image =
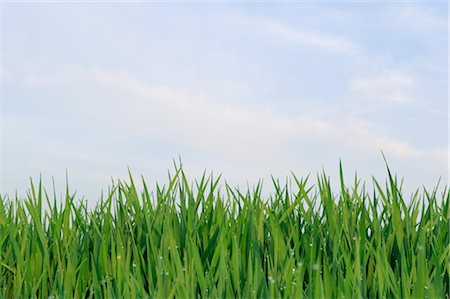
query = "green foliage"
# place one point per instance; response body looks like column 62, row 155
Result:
column 190, row 240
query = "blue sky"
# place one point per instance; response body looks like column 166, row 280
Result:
column 244, row 89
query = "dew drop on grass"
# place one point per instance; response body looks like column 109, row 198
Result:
column 160, row 257
column 315, row 267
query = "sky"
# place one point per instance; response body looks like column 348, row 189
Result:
column 246, row 90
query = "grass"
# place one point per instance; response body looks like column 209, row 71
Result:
column 188, row 240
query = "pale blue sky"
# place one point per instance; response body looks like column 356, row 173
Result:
column 244, row 89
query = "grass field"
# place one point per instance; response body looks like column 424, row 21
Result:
column 186, row 240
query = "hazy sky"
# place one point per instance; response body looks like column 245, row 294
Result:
column 244, row 89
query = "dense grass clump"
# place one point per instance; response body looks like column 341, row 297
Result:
column 190, row 240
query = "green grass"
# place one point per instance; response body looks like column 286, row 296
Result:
column 186, row 240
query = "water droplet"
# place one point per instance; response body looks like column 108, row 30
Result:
column 315, row 267
column 160, row 257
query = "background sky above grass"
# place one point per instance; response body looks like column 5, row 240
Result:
column 244, row 89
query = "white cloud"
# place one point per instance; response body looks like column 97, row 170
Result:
column 422, row 18
column 317, row 40
column 215, row 128
column 242, row 143
column 388, row 87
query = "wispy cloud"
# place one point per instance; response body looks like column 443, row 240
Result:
column 313, row 39
column 215, row 127
column 388, row 87
column 423, row 18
